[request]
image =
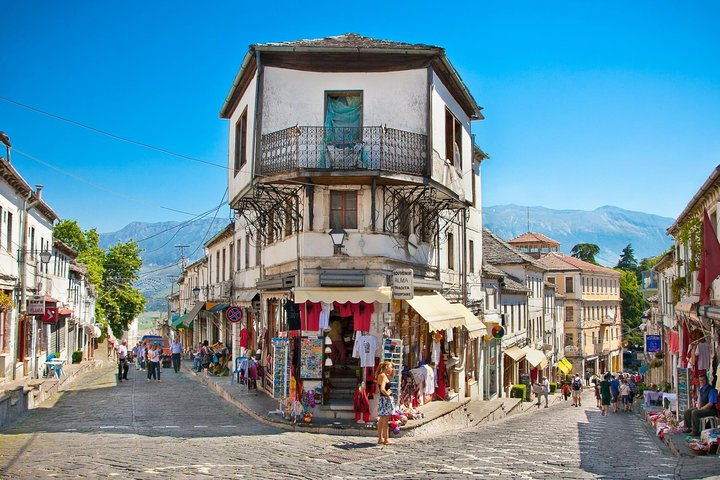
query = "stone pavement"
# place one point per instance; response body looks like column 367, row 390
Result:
column 180, row 429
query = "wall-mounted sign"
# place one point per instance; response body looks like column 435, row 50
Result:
column 402, row 284
column 498, row 331
column 653, row 343
column 234, row 314
column 36, row 305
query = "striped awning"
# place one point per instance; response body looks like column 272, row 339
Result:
column 515, row 352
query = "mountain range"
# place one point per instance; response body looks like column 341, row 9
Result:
column 611, row 228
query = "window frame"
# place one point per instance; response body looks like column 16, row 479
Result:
column 241, row 129
column 343, row 209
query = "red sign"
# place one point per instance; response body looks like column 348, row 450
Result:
column 234, row 314
column 50, row 315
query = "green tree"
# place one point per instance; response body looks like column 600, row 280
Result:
column 113, row 273
column 627, row 259
column 633, row 305
column 585, row 252
column 121, row 303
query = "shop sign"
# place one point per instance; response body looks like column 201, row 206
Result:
column 653, row 343
column 36, row 305
column 402, row 284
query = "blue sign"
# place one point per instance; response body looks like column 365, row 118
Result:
column 653, row 343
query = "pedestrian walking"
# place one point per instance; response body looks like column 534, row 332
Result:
column 123, row 365
column 598, row 396
column 577, row 387
column 207, row 354
column 176, row 350
column 605, row 394
column 566, row 392
column 625, row 395
column 705, row 402
column 153, row 362
column 386, row 406
column 546, row 390
column 615, row 392
column 197, row 361
column 537, row 390
column 587, row 378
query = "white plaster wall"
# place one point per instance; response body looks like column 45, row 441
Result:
column 237, row 182
column 10, row 203
column 293, row 97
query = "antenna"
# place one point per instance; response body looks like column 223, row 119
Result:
column 528, row 219
column 183, row 261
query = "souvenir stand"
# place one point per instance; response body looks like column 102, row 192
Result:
column 281, row 371
column 392, row 351
column 311, row 371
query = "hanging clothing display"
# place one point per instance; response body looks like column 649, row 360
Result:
column 674, row 341
column 365, row 348
column 362, row 315
column 292, row 314
column 702, row 356
column 324, row 316
column 244, row 336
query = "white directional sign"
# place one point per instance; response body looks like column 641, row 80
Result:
column 36, row 305
column 402, row 284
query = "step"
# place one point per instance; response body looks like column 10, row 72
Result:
column 350, row 383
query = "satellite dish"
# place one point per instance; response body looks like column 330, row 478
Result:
column 412, row 244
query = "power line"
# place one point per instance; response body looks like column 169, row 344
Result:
column 112, row 135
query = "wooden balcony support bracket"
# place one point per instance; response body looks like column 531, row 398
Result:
column 270, row 210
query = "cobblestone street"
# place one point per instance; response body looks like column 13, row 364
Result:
column 179, row 429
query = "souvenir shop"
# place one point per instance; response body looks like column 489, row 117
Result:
column 321, row 348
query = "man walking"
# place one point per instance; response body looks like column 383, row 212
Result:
column 615, row 393
column 123, row 365
column 546, row 389
column 704, row 407
column 587, row 378
column 577, row 388
column 176, row 351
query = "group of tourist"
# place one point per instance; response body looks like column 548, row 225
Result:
column 147, row 356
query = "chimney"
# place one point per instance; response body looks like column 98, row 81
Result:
column 38, row 191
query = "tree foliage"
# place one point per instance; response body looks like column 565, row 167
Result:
column 627, row 259
column 585, row 252
column 113, row 273
column 633, row 305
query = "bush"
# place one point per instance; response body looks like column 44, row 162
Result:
column 518, row 391
column 77, row 356
column 553, row 387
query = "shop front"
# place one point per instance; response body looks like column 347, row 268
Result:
column 513, row 367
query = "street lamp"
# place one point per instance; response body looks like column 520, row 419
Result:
column 45, row 256
column 338, row 235
column 196, row 292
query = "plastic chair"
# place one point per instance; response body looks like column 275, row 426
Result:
column 240, row 369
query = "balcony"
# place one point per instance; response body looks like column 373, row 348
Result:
column 347, row 148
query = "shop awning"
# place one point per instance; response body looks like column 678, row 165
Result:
column 687, row 304
column 244, row 297
column 64, row 311
column 516, row 353
column 195, row 310
column 437, row 311
column 475, row 327
column 180, row 322
column 536, row 358
column 343, row 294
column 219, row 307
column 564, row 366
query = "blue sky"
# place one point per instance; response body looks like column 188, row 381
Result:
column 609, row 103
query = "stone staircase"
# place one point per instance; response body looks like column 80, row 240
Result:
column 484, row 411
column 343, row 381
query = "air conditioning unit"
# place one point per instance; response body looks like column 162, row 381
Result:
column 226, row 291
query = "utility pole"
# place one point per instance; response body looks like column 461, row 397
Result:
column 166, row 327
column 183, row 261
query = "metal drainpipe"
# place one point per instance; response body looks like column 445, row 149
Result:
column 22, row 265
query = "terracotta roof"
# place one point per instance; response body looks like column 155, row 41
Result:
column 496, row 251
column 533, row 237
column 349, row 40
column 512, row 284
column 558, row 262
column 490, row 271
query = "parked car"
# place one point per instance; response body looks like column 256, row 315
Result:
column 164, row 343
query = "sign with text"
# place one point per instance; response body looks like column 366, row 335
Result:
column 36, row 305
column 653, row 343
column 402, row 284
column 683, row 390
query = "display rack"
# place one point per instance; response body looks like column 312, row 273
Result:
column 281, row 369
column 392, row 351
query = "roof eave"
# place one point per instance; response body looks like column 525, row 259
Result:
column 694, row 201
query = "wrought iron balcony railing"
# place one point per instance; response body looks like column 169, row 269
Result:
column 345, row 148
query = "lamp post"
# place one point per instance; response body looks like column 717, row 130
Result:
column 45, row 257
column 338, row 235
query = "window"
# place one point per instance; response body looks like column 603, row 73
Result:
column 451, row 251
column 224, row 277
column 453, row 139
column 551, row 280
column 258, row 249
column 343, row 209
column 231, row 259
column 568, row 285
column 238, row 255
column 9, row 231
column 569, row 314
column 32, row 242
column 568, row 339
column 474, row 187
column 217, row 267
column 593, row 338
column 247, row 250
column 471, row 257
column 241, row 142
